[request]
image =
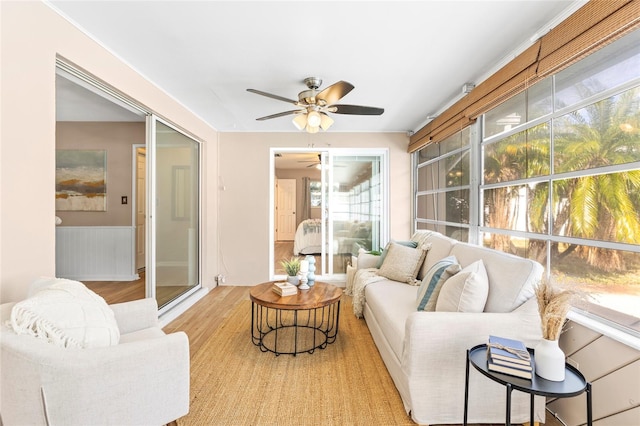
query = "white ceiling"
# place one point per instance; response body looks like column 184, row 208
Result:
column 410, row 58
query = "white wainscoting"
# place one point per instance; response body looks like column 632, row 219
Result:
column 95, row 253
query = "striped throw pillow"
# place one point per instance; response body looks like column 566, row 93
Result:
column 433, row 281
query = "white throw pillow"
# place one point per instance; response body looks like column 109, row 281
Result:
column 433, row 281
column 402, row 263
column 67, row 314
column 467, row 291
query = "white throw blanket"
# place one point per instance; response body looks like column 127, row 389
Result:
column 363, row 278
column 67, row 314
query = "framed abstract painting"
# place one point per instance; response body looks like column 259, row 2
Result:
column 81, row 180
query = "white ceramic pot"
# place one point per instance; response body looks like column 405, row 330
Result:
column 549, row 360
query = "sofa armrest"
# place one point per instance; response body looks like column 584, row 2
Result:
column 434, row 359
column 134, row 383
column 142, row 382
column 452, row 333
column 136, row 315
column 367, row 260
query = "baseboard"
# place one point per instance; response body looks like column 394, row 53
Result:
column 133, row 277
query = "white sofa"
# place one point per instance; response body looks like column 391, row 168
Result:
column 141, row 380
column 425, row 352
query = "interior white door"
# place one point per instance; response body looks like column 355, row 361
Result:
column 141, row 206
column 286, row 209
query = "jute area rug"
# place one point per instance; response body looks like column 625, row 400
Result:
column 234, row 383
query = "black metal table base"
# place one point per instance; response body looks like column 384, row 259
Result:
column 573, row 385
column 292, row 332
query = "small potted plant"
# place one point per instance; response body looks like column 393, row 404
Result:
column 291, row 267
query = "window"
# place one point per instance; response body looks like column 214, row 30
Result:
column 443, row 186
column 315, row 193
column 558, row 180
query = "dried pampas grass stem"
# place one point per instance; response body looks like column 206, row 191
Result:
column 553, row 306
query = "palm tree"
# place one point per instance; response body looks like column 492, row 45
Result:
column 601, row 207
column 519, row 156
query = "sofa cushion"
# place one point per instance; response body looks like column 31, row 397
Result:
column 432, row 282
column 67, row 314
column 420, row 236
column 402, row 263
column 466, row 291
column 383, row 255
column 512, row 279
column 141, row 335
column 391, row 303
column 440, row 248
column 351, row 273
column 366, row 260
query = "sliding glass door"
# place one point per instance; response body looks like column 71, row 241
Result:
column 174, row 207
column 355, row 201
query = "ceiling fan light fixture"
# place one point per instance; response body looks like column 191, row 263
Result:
column 314, row 119
column 300, row 121
column 313, row 105
column 312, row 129
column 325, row 121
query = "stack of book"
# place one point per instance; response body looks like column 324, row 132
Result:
column 285, row 289
column 509, row 356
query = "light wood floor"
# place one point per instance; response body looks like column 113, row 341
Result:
column 202, row 320
column 126, row 291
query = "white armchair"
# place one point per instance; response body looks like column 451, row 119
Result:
column 143, row 380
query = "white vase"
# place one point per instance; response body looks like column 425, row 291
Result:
column 550, row 360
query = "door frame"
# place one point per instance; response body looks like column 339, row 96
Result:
column 327, row 155
column 272, row 202
column 134, row 201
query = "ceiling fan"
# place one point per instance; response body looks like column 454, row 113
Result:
column 313, row 105
column 318, row 163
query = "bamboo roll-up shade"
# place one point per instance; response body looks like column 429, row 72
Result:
column 579, row 22
column 446, row 124
column 442, row 133
column 513, row 71
column 508, row 88
column 451, row 114
column 596, row 24
column 586, row 41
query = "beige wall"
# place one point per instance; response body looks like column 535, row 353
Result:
column 243, row 193
column 117, row 139
column 32, row 35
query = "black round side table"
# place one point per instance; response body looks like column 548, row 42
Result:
column 573, row 384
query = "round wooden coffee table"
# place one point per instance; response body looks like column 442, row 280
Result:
column 294, row 324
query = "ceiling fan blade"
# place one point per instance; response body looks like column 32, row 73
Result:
column 356, row 110
column 335, row 92
column 318, row 160
column 272, row 96
column 280, row 114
